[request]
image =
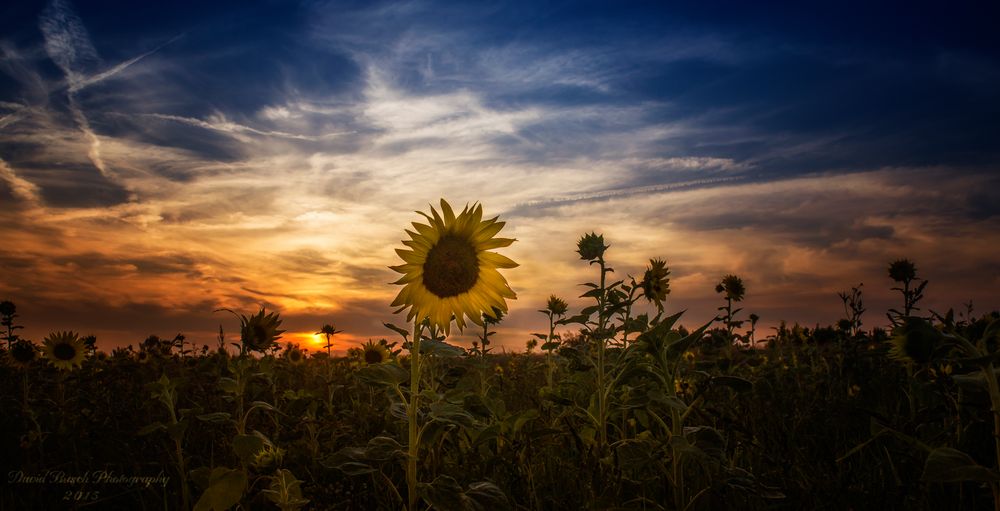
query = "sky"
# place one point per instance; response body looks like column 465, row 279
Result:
column 160, row 161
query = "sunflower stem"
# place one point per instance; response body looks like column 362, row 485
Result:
column 994, row 389
column 602, row 411
column 411, row 415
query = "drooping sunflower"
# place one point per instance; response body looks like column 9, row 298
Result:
column 449, row 269
column 23, row 353
column 64, row 350
column 656, row 282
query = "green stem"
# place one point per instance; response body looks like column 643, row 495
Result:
column 411, row 415
column 994, row 388
column 602, row 411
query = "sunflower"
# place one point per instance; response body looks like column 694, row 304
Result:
column 294, row 355
column 142, row 357
column 656, row 283
column 733, row 288
column 915, row 341
column 449, row 270
column 22, row 353
column 64, row 350
column 374, row 352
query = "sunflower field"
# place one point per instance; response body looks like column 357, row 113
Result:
column 605, row 409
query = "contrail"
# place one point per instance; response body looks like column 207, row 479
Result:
column 99, row 77
column 607, row 194
column 231, row 127
column 69, row 46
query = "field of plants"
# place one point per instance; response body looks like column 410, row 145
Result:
column 604, row 409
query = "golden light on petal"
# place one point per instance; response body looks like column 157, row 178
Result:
column 448, row 269
column 64, row 350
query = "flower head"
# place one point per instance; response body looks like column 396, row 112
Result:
column 556, row 306
column 914, row 341
column 449, row 269
column 732, row 286
column 495, row 319
column 374, row 352
column 64, row 350
column 902, row 270
column 591, row 246
column 294, row 355
column 656, row 283
column 259, row 332
column 23, row 353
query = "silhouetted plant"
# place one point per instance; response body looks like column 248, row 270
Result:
column 8, row 312
column 733, row 290
column 853, row 309
column 904, row 272
column 328, row 331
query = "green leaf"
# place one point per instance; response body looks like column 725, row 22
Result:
column 579, row 318
column 383, row 374
column 285, row 491
column 214, row 417
column 354, row 468
column 264, row 405
column 225, row 489
column 517, row 421
column 451, row 413
column 443, row 493
column 440, row 348
column 229, row 385
column 947, row 465
column 485, row 495
column 398, row 330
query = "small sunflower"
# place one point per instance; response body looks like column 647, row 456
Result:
column 449, row 270
column 142, row 357
column 915, row 341
column 294, row 355
column 258, row 332
column 23, row 353
column 374, row 352
column 555, row 306
column 902, row 270
column 733, row 288
column 656, row 283
column 64, row 350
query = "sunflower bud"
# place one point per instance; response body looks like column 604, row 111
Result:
column 557, row 306
column 591, row 247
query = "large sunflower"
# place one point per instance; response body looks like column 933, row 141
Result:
column 450, row 270
column 64, row 350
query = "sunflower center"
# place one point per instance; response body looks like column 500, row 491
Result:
column 452, row 267
column 64, row 351
column 373, row 356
